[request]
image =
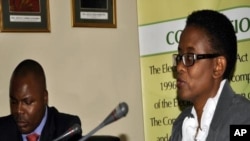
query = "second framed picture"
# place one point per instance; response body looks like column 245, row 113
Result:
column 94, row 13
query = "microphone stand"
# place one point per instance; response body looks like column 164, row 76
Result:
column 120, row 111
column 92, row 132
column 75, row 129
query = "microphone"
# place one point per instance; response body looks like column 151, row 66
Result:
column 120, row 111
column 75, row 129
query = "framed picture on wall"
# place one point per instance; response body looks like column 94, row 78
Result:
column 25, row 16
column 94, row 13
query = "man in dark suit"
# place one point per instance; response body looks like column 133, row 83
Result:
column 30, row 113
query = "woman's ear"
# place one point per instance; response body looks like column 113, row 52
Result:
column 220, row 66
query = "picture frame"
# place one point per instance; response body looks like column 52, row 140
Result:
column 33, row 16
column 94, row 13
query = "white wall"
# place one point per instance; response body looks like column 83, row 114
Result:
column 89, row 70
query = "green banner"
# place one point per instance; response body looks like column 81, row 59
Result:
column 160, row 25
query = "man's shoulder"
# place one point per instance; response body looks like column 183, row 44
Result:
column 58, row 122
column 62, row 119
column 52, row 111
column 5, row 117
column 6, row 120
column 8, row 129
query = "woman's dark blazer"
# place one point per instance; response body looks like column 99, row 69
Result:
column 232, row 109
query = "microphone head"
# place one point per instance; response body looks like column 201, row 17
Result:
column 73, row 130
column 120, row 111
column 76, row 128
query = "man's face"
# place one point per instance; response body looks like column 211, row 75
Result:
column 28, row 101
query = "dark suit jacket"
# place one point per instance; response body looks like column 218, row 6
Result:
column 232, row 109
column 56, row 125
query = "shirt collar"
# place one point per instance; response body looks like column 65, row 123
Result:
column 207, row 116
column 39, row 128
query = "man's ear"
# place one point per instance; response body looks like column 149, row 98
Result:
column 45, row 96
column 219, row 67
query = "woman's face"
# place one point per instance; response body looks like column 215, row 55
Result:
column 195, row 83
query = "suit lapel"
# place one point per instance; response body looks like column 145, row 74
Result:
column 222, row 107
column 49, row 128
